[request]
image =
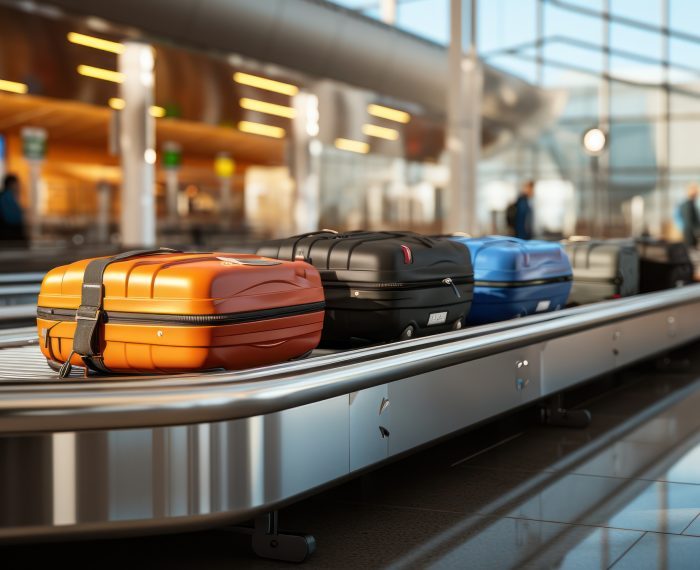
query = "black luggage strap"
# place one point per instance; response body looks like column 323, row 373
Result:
column 89, row 315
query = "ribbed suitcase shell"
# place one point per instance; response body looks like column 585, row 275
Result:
column 603, row 270
column 514, row 277
column 378, row 284
column 183, row 312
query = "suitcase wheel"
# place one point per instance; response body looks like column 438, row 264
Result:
column 408, row 332
column 457, row 325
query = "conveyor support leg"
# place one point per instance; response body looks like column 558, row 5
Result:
column 554, row 414
column 269, row 542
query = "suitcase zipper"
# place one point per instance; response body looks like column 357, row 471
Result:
column 397, row 286
column 608, row 280
column 530, row 283
column 384, row 285
column 191, row 320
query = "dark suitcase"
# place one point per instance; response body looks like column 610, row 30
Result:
column 515, row 278
column 663, row 265
column 382, row 286
column 602, row 270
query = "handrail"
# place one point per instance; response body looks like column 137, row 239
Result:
column 229, row 395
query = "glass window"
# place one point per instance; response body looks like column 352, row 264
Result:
column 429, row 19
column 685, row 16
column 632, row 101
column 559, row 21
column 684, row 150
column 685, row 61
column 647, row 11
column 635, row 46
column 505, row 24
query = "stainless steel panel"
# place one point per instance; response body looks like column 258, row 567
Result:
column 430, row 406
column 573, row 358
column 370, row 426
column 81, row 482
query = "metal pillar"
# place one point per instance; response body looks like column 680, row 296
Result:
column 104, row 202
column 664, row 132
column 465, row 86
column 601, row 174
column 388, row 11
column 35, row 197
column 305, row 157
column 137, row 146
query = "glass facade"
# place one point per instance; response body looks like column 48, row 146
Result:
column 629, row 67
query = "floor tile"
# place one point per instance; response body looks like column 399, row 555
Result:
column 511, row 543
column 620, row 503
column 663, row 552
column 694, row 527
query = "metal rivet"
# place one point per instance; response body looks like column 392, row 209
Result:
column 159, row 333
column 356, row 293
column 526, row 363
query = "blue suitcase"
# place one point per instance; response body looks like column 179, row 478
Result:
column 514, row 277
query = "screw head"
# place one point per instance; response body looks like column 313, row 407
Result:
column 159, row 333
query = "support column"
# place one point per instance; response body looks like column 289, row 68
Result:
column 306, row 164
column 104, row 203
column 137, row 146
column 465, row 84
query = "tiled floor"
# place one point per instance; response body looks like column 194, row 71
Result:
column 545, row 497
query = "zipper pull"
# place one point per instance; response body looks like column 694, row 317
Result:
column 448, row 281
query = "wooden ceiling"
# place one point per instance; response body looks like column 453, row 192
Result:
column 74, row 124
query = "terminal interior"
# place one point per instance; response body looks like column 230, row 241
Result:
column 564, row 438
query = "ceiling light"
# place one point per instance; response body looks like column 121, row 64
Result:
column 93, row 42
column 116, row 103
column 594, row 141
column 99, row 73
column 13, row 86
column 352, row 146
column 264, row 83
column 388, row 113
column 269, row 108
column 157, row 112
column 380, row 132
column 261, row 129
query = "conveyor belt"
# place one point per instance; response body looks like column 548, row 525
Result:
column 129, row 453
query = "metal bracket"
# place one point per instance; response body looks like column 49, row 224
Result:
column 554, row 414
column 269, row 542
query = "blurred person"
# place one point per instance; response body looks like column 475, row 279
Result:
column 11, row 215
column 522, row 214
column 689, row 216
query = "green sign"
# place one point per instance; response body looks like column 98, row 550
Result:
column 172, row 155
column 34, row 143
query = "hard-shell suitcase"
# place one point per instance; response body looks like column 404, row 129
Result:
column 383, row 286
column 514, row 277
column 602, row 270
column 663, row 265
column 166, row 311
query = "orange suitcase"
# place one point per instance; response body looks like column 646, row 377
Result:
column 167, row 311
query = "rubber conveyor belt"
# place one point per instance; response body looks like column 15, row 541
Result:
column 128, row 453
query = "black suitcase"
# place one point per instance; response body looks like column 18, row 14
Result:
column 383, row 286
column 663, row 265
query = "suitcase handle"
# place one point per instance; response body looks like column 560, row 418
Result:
column 89, row 314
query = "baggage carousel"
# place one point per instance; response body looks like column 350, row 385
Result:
column 134, row 454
